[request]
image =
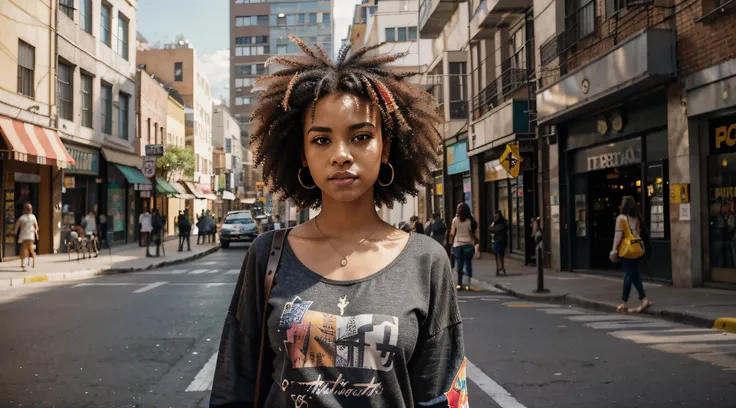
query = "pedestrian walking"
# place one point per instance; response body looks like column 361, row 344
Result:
column 185, row 229
column 157, row 225
column 416, row 225
column 500, row 235
column 437, row 229
column 145, row 223
column 464, row 237
column 201, row 219
column 628, row 248
column 90, row 232
column 363, row 314
column 27, row 232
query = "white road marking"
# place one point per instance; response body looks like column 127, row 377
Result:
column 621, row 325
column 172, row 272
column 204, row 378
column 213, row 271
column 207, row 263
column 603, row 318
column 563, row 311
column 233, row 272
column 197, row 271
column 205, row 284
column 491, row 388
column 105, row 284
column 648, row 338
column 149, row 287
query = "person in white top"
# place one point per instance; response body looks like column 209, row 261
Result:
column 27, row 226
column 630, row 266
column 145, row 221
column 464, row 237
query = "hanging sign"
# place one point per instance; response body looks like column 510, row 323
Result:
column 511, row 160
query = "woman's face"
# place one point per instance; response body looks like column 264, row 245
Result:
column 343, row 147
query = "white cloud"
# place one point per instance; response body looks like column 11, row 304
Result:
column 342, row 14
column 216, row 67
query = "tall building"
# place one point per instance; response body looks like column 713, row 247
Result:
column 259, row 29
column 176, row 65
column 227, row 158
column 356, row 31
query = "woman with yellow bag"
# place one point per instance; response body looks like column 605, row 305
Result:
column 628, row 248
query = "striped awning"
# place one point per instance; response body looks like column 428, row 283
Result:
column 226, row 195
column 194, row 190
column 182, row 192
column 207, row 191
column 34, row 144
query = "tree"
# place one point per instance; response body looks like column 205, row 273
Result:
column 178, row 161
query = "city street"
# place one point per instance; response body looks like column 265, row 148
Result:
column 148, row 339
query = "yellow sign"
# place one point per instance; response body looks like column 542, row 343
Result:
column 679, row 193
column 438, row 189
column 511, row 160
column 260, row 191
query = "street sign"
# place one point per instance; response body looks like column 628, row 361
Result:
column 154, row 150
column 145, row 194
column 149, row 166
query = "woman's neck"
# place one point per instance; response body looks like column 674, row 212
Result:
column 343, row 218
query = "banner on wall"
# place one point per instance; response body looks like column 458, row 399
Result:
column 457, row 158
column 511, row 160
column 116, row 205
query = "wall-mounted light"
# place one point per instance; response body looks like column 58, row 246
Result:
column 282, row 15
column 724, row 163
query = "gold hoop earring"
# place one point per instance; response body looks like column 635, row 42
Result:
column 299, row 176
column 392, row 177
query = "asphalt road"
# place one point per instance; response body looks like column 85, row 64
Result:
column 148, row 340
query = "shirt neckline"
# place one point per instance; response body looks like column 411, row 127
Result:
column 314, row 275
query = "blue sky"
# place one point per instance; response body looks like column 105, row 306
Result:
column 205, row 24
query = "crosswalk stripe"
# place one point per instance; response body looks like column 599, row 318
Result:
column 204, row 378
column 620, row 325
column 563, row 311
column 172, row 272
column 233, row 272
column 197, row 271
column 212, row 271
column 647, row 338
column 602, row 318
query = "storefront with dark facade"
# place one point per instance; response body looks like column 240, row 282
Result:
column 81, row 188
column 126, row 193
column 609, row 155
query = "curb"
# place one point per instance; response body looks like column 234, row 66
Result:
column 726, row 324
column 91, row 273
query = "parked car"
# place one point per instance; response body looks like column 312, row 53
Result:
column 238, row 226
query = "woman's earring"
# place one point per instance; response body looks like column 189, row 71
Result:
column 392, row 177
column 299, row 176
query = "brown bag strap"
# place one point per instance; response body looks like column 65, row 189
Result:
column 274, row 257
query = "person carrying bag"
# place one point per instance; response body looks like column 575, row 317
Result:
column 628, row 249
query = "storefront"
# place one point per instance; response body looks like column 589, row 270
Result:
column 618, row 153
column 32, row 160
column 457, row 187
column 81, row 185
column 128, row 192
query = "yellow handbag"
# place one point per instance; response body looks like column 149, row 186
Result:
column 631, row 247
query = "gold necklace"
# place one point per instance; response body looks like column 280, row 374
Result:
column 344, row 260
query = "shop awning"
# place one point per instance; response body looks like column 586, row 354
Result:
column 248, row 201
column 194, row 190
column 34, row 144
column 163, row 187
column 126, row 159
column 226, row 195
column 133, row 175
column 181, row 192
column 207, row 192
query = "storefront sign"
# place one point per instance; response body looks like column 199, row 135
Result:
column 724, row 136
column 679, row 193
column 438, row 189
column 145, row 194
column 27, row 178
column 69, row 182
column 457, row 158
column 84, row 162
column 260, row 191
column 9, row 216
column 625, row 153
column 685, row 212
column 494, row 171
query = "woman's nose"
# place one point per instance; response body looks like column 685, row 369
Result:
column 342, row 154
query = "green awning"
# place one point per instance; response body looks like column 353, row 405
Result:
column 163, row 187
column 133, row 175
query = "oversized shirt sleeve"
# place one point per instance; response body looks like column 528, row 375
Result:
column 437, row 366
column 237, row 360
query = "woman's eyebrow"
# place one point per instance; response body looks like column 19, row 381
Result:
column 361, row 125
column 319, row 129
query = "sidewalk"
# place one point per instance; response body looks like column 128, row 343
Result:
column 118, row 259
column 711, row 308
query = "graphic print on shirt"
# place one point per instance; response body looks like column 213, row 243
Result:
column 457, row 396
column 316, row 339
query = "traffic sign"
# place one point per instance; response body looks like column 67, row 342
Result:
column 149, row 166
column 154, row 150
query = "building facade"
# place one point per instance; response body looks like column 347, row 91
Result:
column 226, row 143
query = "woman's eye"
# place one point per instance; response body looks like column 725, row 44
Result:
column 362, row 137
column 321, row 140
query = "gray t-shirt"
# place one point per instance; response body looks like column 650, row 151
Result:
column 392, row 339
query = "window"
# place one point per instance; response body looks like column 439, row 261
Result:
column 67, row 7
column 458, row 100
column 583, row 17
column 243, row 40
column 26, row 67
column 312, row 18
column 254, row 50
column 412, row 33
column 301, row 18
column 326, row 18
column 249, row 1
column 290, row 19
column 402, row 34
column 281, row 21
column 241, row 82
column 261, row 20
column 85, row 15
column 260, row 69
column 244, row 21
column 243, row 70
column 123, row 109
column 86, row 91
column 260, row 39
column 281, row 49
column 64, row 98
column 106, row 99
column 390, row 34
column 228, row 145
column 178, row 71
column 123, row 36
column 105, row 25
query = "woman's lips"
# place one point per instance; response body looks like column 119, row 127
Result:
column 343, row 182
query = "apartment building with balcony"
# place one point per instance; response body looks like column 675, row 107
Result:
column 176, row 65
column 634, row 100
column 445, row 26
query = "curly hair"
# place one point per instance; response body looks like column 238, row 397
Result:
column 408, row 118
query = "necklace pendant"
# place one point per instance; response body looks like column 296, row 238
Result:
column 343, row 261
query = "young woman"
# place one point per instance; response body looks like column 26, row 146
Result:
column 628, row 218
column 500, row 232
column 464, row 236
column 361, row 314
column 28, row 228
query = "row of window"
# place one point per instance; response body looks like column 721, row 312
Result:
column 253, row 69
column 245, row 21
column 253, row 50
column 394, row 34
column 256, row 39
column 85, row 23
column 249, row 1
column 241, row 82
column 239, row 100
column 283, row 19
